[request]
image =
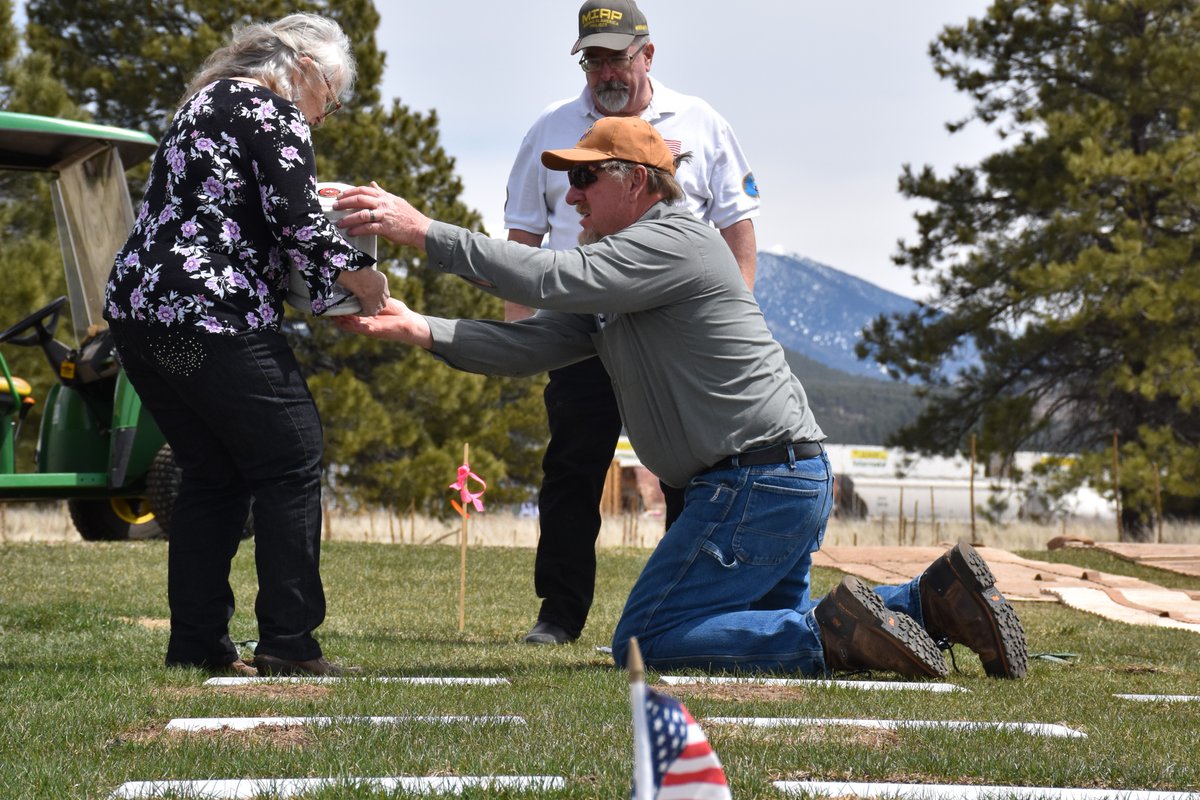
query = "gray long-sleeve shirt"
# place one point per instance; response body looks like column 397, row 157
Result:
column 697, row 375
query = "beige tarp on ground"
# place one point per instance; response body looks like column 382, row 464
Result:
column 1181, row 558
column 1115, row 597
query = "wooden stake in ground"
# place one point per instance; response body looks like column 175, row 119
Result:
column 1158, row 513
column 469, row 498
column 643, row 768
column 1117, row 483
column 974, row 538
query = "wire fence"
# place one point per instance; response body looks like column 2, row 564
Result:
column 51, row 523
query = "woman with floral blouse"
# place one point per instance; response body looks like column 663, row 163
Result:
column 195, row 300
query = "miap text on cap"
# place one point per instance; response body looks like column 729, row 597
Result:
column 610, row 24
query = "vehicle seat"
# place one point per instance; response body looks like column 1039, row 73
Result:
column 96, row 359
column 24, row 394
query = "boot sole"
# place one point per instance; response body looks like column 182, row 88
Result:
column 904, row 635
column 973, row 571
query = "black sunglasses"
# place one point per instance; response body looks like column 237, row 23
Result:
column 582, row 177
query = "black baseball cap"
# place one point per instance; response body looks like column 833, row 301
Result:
column 611, row 24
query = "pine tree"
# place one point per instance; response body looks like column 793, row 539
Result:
column 1068, row 258
column 8, row 33
column 395, row 419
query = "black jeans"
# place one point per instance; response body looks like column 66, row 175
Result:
column 239, row 417
column 584, row 426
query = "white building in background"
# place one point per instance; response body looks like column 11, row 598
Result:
column 874, row 482
column 881, row 482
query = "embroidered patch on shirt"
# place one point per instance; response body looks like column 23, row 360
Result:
column 749, row 185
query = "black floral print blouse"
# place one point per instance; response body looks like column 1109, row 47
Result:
column 230, row 206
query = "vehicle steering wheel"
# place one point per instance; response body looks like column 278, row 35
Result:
column 44, row 332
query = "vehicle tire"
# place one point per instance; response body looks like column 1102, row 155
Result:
column 101, row 521
column 162, row 487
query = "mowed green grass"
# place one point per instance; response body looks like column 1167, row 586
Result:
column 84, row 698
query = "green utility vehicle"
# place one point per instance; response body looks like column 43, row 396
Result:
column 96, row 448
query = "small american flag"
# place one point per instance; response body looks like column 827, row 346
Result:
column 683, row 765
column 674, row 145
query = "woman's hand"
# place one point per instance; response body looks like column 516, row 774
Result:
column 369, row 286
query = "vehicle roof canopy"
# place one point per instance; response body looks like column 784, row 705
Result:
column 92, row 209
column 31, row 142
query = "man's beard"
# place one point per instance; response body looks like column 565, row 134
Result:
column 612, row 96
column 587, row 235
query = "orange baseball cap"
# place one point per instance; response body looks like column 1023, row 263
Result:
column 620, row 138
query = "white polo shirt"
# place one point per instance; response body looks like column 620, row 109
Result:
column 718, row 182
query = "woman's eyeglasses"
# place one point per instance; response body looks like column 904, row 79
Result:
column 582, row 177
column 332, row 105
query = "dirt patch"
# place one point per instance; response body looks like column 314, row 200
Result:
column 263, row 691
column 1144, row 669
column 863, row 738
column 276, row 691
column 921, row 778
column 149, row 623
column 287, row 737
column 739, row 692
column 142, row 735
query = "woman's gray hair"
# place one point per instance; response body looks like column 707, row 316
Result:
column 658, row 181
column 271, row 53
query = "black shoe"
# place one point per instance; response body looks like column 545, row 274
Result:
column 961, row 605
column 548, row 633
column 860, row 632
column 272, row 665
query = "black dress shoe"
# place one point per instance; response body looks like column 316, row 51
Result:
column 548, row 633
column 273, row 665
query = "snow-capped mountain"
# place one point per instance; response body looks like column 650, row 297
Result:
column 819, row 312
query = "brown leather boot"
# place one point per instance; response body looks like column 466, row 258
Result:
column 273, row 665
column 961, row 605
column 859, row 632
column 235, row 668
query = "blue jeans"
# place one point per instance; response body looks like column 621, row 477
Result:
column 728, row 586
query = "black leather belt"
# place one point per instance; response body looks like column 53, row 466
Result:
column 774, row 454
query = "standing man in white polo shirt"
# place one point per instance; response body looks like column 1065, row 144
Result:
column 617, row 55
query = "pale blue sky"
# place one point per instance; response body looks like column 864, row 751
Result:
column 828, row 100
